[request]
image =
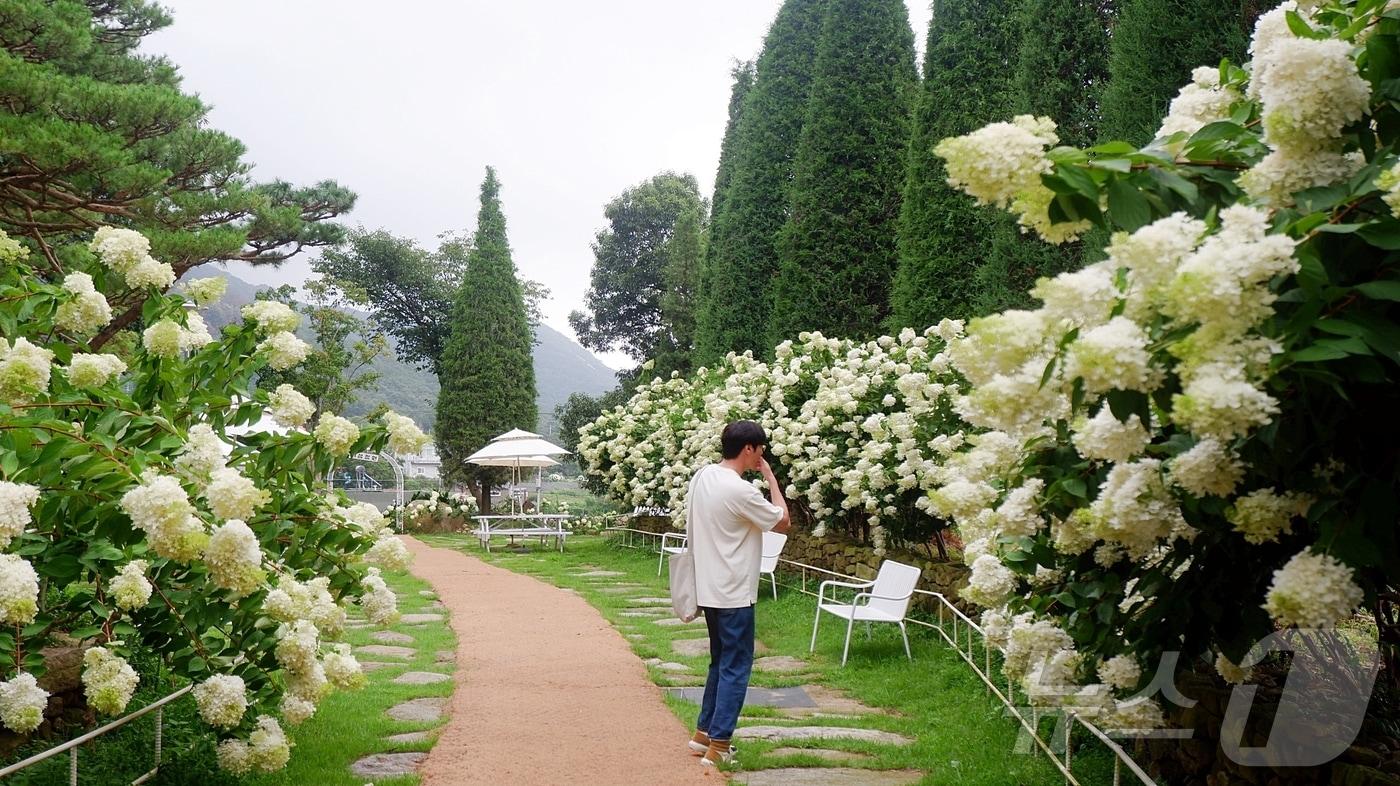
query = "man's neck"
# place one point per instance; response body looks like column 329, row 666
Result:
column 733, row 465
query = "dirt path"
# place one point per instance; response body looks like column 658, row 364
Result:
column 546, row 691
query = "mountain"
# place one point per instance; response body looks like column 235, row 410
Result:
column 562, row 367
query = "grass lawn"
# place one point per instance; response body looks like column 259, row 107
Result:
column 962, row 735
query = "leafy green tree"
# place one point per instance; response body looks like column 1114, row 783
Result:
column 93, row 132
column 487, row 376
column 634, row 260
column 684, row 253
column 968, row 82
column 343, row 349
column 837, row 252
column 743, row 76
column 580, row 410
column 739, row 271
column 1156, row 43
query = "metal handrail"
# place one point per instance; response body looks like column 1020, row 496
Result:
column 71, row 746
column 1122, row 759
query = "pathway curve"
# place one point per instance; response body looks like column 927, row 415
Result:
column 546, row 690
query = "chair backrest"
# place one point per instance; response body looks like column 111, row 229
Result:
column 773, row 543
column 895, row 580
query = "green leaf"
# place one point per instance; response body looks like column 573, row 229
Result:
column 1127, row 206
column 1382, row 234
column 1381, row 290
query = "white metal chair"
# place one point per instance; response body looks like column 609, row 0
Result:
column 886, row 599
column 773, row 543
column 681, row 541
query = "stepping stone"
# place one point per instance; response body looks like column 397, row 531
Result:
column 420, row 678
column 415, row 737
column 385, row 765
column 620, row 589
column 782, row 698
column 834, row 703
column 635, row 636
column 420, row 710
column 371, row 665
column 445, row 656
column 651, row 601
column 387, row 651
column 698, row 648
column 437, row 604
column 427, row 593
column 641, row 613
column 391, row 637
column 673, row 666
column 782, row 733
column 600, row 574
column 827, row 776
column 418, row 619
column 676, row 622
column 780, row 664
column 678, row 681
column 820, row 753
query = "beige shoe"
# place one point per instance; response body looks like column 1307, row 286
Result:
column 700, row 743
column 720, row 752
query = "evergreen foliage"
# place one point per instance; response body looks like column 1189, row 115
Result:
column 488, row 379
column 968, row 82
column 1156, row 43
column 683, row 253
column 734, row 314
column 93, row 132
column 837, row 251
column 743, row 75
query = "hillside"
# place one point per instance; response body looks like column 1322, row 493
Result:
column 562, row 367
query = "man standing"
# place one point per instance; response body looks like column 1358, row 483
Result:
column 726, row 518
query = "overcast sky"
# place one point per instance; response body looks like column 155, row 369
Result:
column 407, row 103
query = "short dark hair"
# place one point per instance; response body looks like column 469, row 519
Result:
column 739, row 435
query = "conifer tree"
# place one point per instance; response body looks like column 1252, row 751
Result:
column 739, row 271
column 837, row 252
column 1156, row 43
column 488, row 376
column 968, row 82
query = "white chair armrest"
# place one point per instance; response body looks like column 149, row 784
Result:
column 821, row 589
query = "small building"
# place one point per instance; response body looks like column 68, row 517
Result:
column 424, row 464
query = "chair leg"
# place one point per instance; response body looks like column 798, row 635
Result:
column 905, row 633
column 815, row 622
column 867, row 630
column 773, row 577
column 850, row 623
column 660, row 559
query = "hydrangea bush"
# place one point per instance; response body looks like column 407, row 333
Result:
column 1191, row 443
column 133, row 517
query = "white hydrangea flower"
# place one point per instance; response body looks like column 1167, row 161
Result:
column 1019, row 515
column 404, row 435
column 1001, row 344
column 1262, row 515
column 1106, row 438
column 232, row 756
column 337, row 434
column 1310, row 90
column 11, row 250
column 160, row 507
column 163, row 339
column 1031, row 641
column 272, row 317
column 202, row 453
column 150, row 272
column 1226, row 279
column 1286, row 171
column 380, row 604
column 195, row 333
column 120, row 249
column 1312, row 591
column 1218, row 401
column 19, row 590
column 207, row 291
column 1051, row 678
column 292, row 600
column 296, row 710
column 363, row 515
column 108, row 681
column 24, row 371
column 268, row 748
column 342, row 669
column 1230, row 671
column 996, row 627
column 22, row 703
column 1198, row 104
column 130, row 587
column 1389, row 182
column 16, row 500
column 232, row 496
column 1121, row 671
column 999, row 162
column 1134, row 508
column 1139, row 714
column 86, row 310
column 234, row 558
column 389, row 552
column 1207, row 469
column 283, row 350
column 991, row 583
column 93, row 370
column 289, row 407
column 222, row 700
column 1081, row 297
column 297, row 643
column 1112, row 356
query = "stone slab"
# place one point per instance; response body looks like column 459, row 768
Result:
column 427, row 593
column 391, row 637
column 782, row 698
column 783, row 733
column 699, row 648
column 673, row 666
column 780, row 664
column 420, row 678
column 418, row 710
column 676, row 622
column 650, row 601
column 371, row 665
column 619, row 589
column 595, row 574
column 437, row 604
column 827, row 776
column 387, row 651
column 648, row 613
column 418, row 619
column 820, row 753
column 415, row 737
column 445, row 656
column 386, row 765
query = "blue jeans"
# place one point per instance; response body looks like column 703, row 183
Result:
column 731, row 661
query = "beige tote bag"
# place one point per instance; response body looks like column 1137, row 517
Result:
column 683, row 602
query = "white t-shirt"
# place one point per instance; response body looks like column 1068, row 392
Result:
column 726, row 517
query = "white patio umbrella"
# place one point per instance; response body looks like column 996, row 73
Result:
column 519, row 449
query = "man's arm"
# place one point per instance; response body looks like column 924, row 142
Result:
column 775, row 495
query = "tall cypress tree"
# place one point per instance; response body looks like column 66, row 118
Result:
column 487, row 374
column 734, row 315
column 837, row 252
column 1156, row 43
column 968, row 82
column 743, row 75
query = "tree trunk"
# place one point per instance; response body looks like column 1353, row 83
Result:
column 483, row 496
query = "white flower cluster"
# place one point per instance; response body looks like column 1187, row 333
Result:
column 128, row 252
column 1202, row 102
column 108, row 681
column 207, row 291
column 380, row 604
column 271, row 316
column 202, row 453
column 24, row 370
column 289, row 407
column 991, row 583
column 389, row 552
column 160, row 507
column 284, row 350
column 1312, row 591
column 336, row 434
column 235, row 559
column 222, row 700
column 1262, row 516
column 16, row 500
column 93, row 370
column 85, row 311
column 19, row 590
column 267, row 749
column 293, row 600
column 404, row 435
column 22, row 703
column 130, row 588
column 342, row 669
column 363, row 515
column 232, row 496
column 168, row 338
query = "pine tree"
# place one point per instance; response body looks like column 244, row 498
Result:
column 968, row 82
column 1156, row 43
column 743, row 74
column 739, row 273
column 837, row 252
column 488, row 377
